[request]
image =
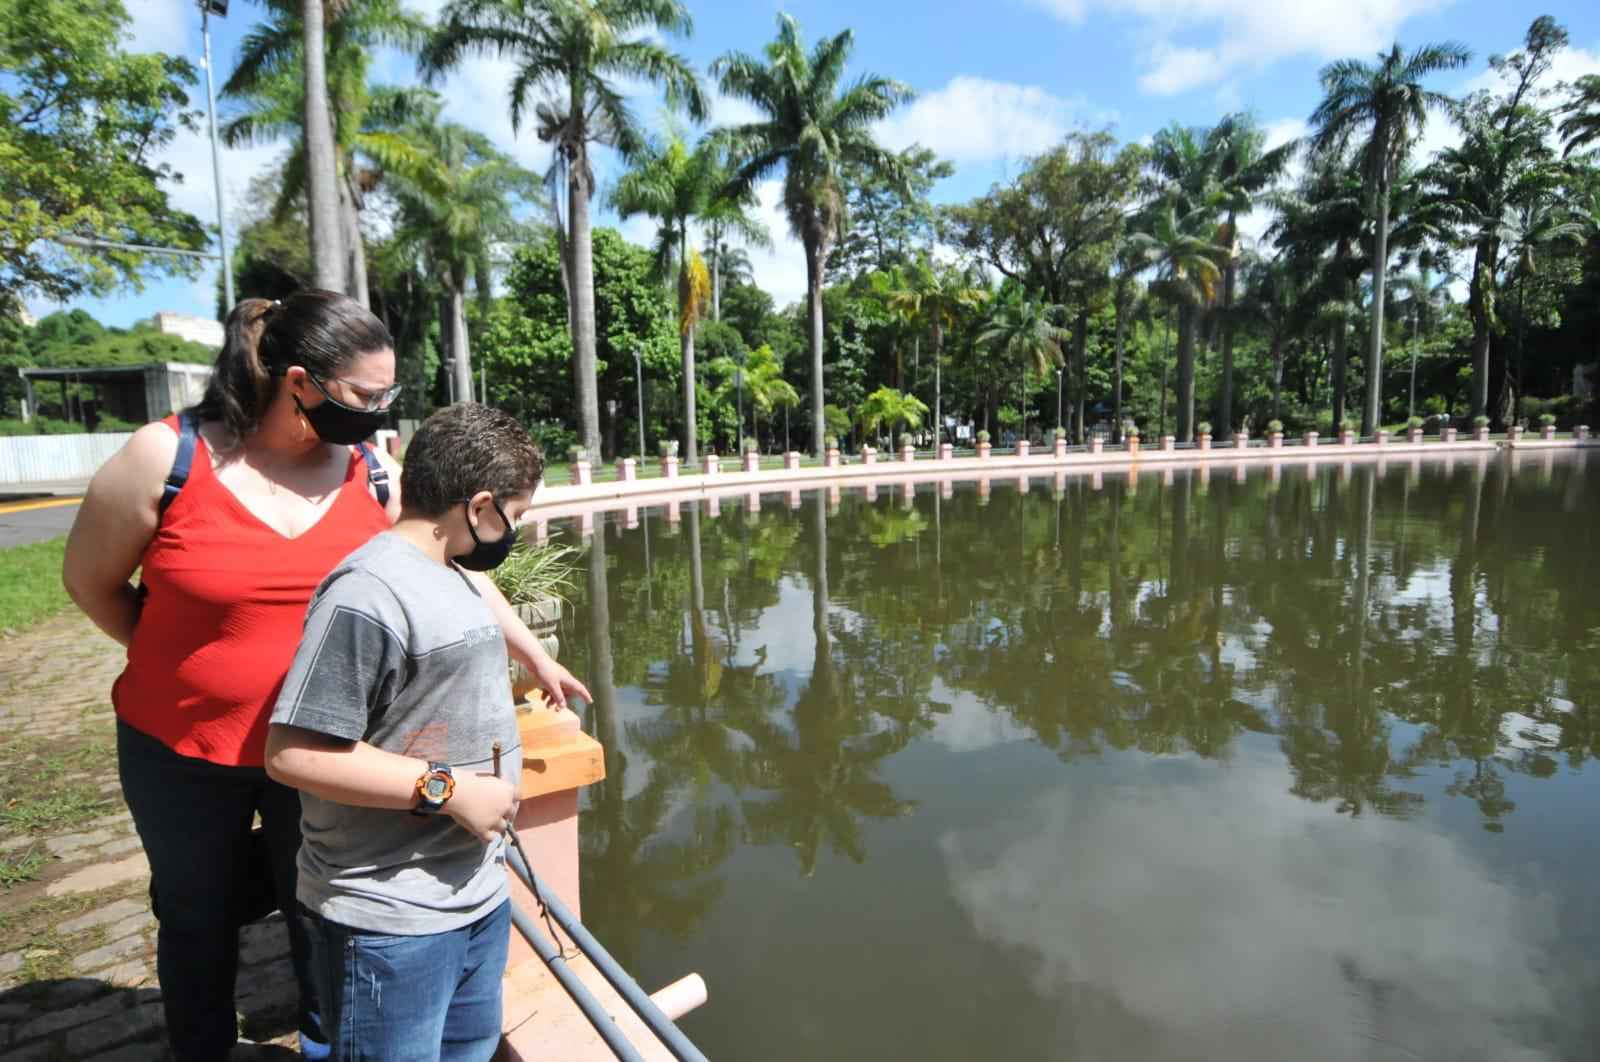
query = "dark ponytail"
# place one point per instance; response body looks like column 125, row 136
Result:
column 322, row 331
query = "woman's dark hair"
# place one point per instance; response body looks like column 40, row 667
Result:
column 322, row 331
column 463, row 449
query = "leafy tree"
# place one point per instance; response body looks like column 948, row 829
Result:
column 1385, row 105
column 577, row 51
column 812, row 131
column 1504, row 158
column 82, row 123
column 1024, row 334
column 891, row 221
column 530, row 356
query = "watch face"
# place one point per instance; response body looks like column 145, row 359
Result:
column 436, row 788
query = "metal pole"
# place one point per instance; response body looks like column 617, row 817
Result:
column 657, row 1022
column 216, row 164
column 638, row 376
column 550, row 954
column 115, row 245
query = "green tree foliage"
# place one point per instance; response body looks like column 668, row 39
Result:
column 82, row 123
column 527, row 350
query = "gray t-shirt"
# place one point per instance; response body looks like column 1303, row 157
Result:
column 401, row 652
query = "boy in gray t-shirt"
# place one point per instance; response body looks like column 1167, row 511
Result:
column 387, row 723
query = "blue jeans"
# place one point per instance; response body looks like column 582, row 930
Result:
column 193, row 818
column 412, row 998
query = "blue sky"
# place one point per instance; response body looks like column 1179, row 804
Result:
column 996, row 81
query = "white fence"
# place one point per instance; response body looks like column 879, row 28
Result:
column 52, row 458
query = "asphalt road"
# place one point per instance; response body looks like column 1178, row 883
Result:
column 35, row 519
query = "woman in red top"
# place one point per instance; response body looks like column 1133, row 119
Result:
column 279, row 490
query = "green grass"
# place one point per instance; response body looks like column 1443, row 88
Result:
column 42, row 798
column 30, row 583
column 15, row 869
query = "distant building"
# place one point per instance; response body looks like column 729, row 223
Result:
column 134, row 393
column 201, row 330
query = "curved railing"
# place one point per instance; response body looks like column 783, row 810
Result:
column 720, row 477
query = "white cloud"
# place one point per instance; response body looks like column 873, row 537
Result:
column 1241, row 36
column 1228, row 918
column 973, row 119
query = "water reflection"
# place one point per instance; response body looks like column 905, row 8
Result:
column 1323, row 728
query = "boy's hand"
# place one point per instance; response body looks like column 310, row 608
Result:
column 483, row 805
column 557, row 682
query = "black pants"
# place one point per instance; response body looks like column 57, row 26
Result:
column 194, row 818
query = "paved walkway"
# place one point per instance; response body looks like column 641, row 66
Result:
column 77, row 940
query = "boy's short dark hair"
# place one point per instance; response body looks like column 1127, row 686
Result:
column 463, row 449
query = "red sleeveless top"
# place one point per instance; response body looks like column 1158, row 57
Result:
column 227, row 597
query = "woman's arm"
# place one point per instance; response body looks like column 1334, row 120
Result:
column 114, row 524
column 360, row 775
column 556, row 681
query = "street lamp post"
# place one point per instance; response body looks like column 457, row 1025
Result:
column 220, row 9
column 638, row 375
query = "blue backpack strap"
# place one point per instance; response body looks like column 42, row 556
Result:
column 377, row 475
column 188, row 432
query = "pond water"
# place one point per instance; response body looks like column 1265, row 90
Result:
column 1265, row 765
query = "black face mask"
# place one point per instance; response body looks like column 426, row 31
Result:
column 334, row 422
column 486, row 555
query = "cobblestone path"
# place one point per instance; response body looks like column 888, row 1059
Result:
column 77, row 939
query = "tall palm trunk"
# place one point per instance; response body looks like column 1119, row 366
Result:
column 1336, row 383
column 583, row 341
column 716, row 281
column 322, row 167
column 1372, row 412
column 459, row 346
column 691, row 426
column 1080, row 354
column 1277, row 375
column 938, row 384
column 1116, row 374
column 1480, row 306
column 814, row 264
column 1229, row 275
column 1188, row 324
column 355, row 284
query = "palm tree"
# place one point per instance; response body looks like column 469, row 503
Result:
column 1318, row 229
column 267, row 79
column 1187, row 272
column 1024, row 331
column 937, row 298
column 1274, row 295
column 1581, row 127
column 322, row 174
column 764, row 382
column 1423, row 295
column 811, row 129
column 1539, row 222
column 1386, row 104
column 675, row 187
column 889, row 408
column 574, row 53
column 1244, row 170
column 727, row 218
column 455, row 204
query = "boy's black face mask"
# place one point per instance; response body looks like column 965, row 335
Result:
column 487, row 555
